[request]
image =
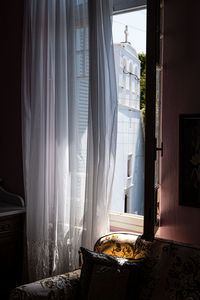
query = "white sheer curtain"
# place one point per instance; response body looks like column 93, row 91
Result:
column 55, row 89
column 102, row 127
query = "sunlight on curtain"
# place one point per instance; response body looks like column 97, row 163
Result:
column 102, row 126
column 55, row 93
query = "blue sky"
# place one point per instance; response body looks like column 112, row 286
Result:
column 136, row 22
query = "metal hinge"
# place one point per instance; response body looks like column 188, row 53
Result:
column 158, row 148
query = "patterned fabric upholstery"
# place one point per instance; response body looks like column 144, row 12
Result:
column 62, row 287
column 117, row 244
column 171, row 272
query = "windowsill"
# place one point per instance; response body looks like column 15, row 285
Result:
column 117, row 229
column 126, row 222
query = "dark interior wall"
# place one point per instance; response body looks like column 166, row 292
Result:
column 181, row 82
column 11, row 28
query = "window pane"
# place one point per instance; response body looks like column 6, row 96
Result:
column 128, row 185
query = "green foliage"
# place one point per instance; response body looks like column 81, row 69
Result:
column 143, row 114
column 142, row 58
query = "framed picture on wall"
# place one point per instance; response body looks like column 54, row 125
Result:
column 189, row 160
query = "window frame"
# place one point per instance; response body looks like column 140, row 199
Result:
column 122, row 6
column 153, row 12
column 153, row 9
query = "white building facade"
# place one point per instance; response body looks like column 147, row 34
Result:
column 128, row 184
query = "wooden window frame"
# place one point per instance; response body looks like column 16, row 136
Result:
column 153, row 10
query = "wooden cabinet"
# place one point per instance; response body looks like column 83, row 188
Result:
column 12, row 219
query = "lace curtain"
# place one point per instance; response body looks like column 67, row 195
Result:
column 68, row 166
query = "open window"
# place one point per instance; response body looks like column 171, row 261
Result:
column 134, row 205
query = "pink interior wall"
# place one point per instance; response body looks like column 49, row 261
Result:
column 181, row 94
column 11, row 28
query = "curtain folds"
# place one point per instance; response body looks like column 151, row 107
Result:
column 102, row 126
column 68, row 129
